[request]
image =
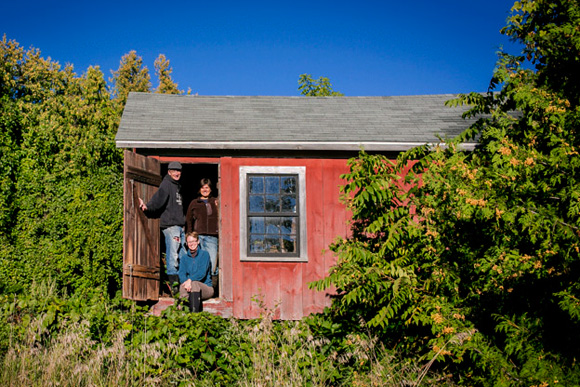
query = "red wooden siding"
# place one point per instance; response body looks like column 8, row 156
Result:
column 228, row 204
column 248, row 289
column 282, row 286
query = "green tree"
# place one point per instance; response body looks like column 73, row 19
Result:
column 163, row 73
column 316, row 88
column 10, row 129
column 471, row 259
column 60, row 171
column 130, row 76
column 11, row 123
column 61, row 174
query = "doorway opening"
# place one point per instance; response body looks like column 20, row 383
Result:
column 191, row 176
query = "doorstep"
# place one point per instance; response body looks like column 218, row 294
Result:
column 215, row 306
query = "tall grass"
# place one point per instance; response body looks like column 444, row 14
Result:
column 281, row 355
column 72, row 358
column 284, row 355
column 274, row 354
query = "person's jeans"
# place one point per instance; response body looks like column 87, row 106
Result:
column 173, row 240
column 210, row 244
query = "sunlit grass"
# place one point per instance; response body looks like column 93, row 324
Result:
column 280, row 354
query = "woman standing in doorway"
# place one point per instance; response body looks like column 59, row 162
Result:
column 202, row 217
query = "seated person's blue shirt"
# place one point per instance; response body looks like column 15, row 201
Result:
column 195, row 268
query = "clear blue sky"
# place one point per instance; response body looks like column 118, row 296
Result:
column 366, row 48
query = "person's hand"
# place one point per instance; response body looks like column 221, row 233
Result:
column 187, row 285
column 142, row 205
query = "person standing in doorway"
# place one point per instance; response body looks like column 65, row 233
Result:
column 167, row 205
column 203, row 218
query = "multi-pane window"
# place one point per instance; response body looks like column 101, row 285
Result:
column 272, row 213
column 273, row 226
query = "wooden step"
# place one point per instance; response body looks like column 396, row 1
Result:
column 215, row 306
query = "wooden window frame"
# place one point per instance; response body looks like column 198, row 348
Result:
column 300, row 172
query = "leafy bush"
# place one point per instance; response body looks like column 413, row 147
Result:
column 47, row 337
column 61, row 175
column 472, row 259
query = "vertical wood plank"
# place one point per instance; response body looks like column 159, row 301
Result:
column 246, row 289
column 141, row 266
column 228, row 235
column 270, row 289
column 337, row 219
column 313, row 301
column 291, row 293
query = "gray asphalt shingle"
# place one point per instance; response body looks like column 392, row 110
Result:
column 244, row 122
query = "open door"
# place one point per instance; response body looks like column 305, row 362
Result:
column 141, row 259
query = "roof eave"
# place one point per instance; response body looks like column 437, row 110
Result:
column 274, row 145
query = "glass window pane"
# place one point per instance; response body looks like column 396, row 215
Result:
column 256, row 184
column 256, row 244
column 288, row 225
column 272, row 245
column 256, row 225
column 289, row 204
column 288, row 184
column 272, row 203
column 256, row 203
column 272, row 184
column 289, row 244
column 273, row 226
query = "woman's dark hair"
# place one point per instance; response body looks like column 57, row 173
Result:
column 205, row 181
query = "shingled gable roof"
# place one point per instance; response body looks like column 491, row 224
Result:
column 287, row 123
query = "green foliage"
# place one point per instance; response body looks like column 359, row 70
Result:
column 63, row 182
column 131, row 76
column 47, row 338
column 11, row 122
column 472, row 259
column 316, row 88
column 61, row 175
column 10, row 137
column 163, row 73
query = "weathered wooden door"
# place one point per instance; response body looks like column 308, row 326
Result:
column 141, row 259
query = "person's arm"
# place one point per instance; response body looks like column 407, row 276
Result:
column 157, row 202
column 217, row 206
column 182, row 273
column 190, row 217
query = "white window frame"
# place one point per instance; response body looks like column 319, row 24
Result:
column 303, row 245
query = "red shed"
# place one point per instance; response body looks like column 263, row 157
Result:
column 277, row 163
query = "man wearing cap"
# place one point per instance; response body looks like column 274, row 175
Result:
column 167, row 204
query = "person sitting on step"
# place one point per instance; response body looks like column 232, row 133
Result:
column 194, row 273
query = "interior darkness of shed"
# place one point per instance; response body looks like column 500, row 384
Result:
column 191, row 175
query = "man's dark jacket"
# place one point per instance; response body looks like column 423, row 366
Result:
column 167, row 204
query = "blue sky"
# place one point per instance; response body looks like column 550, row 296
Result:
column 366, row 48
